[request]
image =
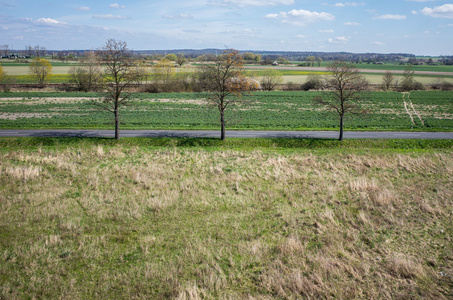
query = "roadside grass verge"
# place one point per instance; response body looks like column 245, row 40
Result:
column 247, row 144
column 242, row 219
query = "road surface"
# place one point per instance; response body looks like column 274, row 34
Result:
column 234, row 134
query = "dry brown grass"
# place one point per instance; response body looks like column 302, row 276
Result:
column 128, row 222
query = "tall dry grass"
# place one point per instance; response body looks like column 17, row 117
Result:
column 119, row 222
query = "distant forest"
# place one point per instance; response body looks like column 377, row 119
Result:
column 208, row 54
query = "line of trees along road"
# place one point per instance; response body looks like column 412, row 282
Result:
column 113, row 72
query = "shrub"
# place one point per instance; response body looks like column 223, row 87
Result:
column 314, row 82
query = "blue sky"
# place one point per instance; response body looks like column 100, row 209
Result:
column 422, row 27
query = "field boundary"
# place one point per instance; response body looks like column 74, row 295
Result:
column 229, row 133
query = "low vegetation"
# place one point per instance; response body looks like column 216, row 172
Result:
column 250, row 219
column 265, row 110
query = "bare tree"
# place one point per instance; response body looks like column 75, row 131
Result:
column 141, row 72
column 225, row 81
column 4, row 50
column 86, row 76
column 2, row 74
column 343, row 84
column 119, row 75
column 164, row 73
column 29, row 50
column 387, row 80
column 409, row 83
column 271, row 79
column 40, row 51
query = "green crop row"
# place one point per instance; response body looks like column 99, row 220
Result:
column 427, row 111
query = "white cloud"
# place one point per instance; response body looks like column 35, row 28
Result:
column 414, row 12
column 340, row 40
column 421, row 0
column 390, row 17
column 326, row 31
column 109, row 17
column 378, row 43
column 340, row 4
column 352, row 24
column 47, row 21
column 180, row 16
column 116, row 5
column 444, row 11
column 300, row 36
column 83, row 8
column 251, row 2
column 301, row 17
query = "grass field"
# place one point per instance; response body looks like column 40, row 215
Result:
column 429, row 111
column 243, row 219
column 20, row 73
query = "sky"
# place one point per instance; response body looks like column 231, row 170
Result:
column 421, row 27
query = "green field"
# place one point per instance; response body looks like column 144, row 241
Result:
column 240, row 219
column 393, row 67
column 430, row 111
column 374, row 79
column 20, row 72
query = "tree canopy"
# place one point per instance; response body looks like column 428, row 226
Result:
column 41, row 69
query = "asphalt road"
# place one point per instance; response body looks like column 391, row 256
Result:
column 235, row 134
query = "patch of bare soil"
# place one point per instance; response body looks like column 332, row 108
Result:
column 15, row 116
column 43, row 100
column 188, row 101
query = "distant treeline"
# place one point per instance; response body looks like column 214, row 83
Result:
column 209, row 54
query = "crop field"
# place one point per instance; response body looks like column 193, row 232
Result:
column 374, row 79
column 106, row 219
column 424, row 111
column 429, row 68
column 20, row 72
column 24, row 70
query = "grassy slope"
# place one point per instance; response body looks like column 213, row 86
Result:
column 256, row 218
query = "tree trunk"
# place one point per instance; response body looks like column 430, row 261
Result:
column 222, row 125
column 341, row 128
column 117, row 125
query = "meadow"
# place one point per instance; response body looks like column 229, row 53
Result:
column 426, row 111
column 241, row 219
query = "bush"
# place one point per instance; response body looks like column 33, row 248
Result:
column 412, row 85
column 442, row 85
column 291, row 86
column 172, row 86
column 314, row 82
